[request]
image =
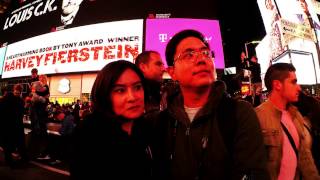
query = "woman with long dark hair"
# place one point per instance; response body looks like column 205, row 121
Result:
column 109, row 143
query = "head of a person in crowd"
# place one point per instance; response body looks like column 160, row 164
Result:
column 34, row 73
column 190, row 60
column 151, row 65
column 281, row 79
column 254, row 59
column 243, row 56
column 17, row 89
column 119, row 90
column 4, row 90
column 43, row 79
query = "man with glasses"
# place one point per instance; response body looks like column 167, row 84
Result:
column 204, row 134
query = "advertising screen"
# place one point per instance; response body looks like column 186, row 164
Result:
column 2, row 54
column 304, row 64
column 85, row 48
column 159, row 32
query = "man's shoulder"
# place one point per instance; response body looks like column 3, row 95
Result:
column 263, row 107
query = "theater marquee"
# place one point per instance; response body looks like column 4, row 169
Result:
column 85, row 48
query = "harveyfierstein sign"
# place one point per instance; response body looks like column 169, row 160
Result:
column 85, row 48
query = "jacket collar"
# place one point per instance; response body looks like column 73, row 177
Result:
column 176, row 105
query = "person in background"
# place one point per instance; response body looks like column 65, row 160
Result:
column 111, row 133
column 76, row 112
column 256, row 80
column 286, row 137
column 12, row 130
column 39, row 117
column 41, row 90
column 34, row 78
column 203, row 134
column 245, row 63
column 309, row 107
column 151, row 65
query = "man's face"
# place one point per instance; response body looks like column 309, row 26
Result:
column 154, row 68
column 243, row 56
column 192, row 67
column 34, row 74
column 290, row 89
column 254, row 59
column 17, row 93
column 68, row 6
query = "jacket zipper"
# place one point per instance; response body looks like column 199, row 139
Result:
column 188, row 131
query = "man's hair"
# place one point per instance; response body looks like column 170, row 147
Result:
column 177, row 38
column 279, row 71
column 34, row 70
column 144, row 57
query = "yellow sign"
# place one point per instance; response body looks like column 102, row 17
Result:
column 291, row 30
column 316, row 6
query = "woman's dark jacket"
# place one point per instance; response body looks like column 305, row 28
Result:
column 224, row 141
column 102, row 150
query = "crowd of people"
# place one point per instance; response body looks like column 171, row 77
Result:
column 17, row 110
column 141, row 128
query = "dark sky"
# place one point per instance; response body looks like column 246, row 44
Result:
column 240, row 21
column 239, row 24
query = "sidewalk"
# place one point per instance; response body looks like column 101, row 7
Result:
column 31, row 171
column 34, row 170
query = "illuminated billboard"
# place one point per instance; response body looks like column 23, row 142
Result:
column 291, row 26
column 304, row 64
column 85, row 48
column 28, row 18
column 2, row 56
column 159, row 32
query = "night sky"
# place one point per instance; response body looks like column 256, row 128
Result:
column 244, row 25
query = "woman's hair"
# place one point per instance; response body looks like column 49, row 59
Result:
column 105, row 81
column 43, row 79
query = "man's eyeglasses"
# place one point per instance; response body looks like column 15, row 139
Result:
column 192, row 55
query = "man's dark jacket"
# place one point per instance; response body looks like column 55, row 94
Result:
column 222, row 142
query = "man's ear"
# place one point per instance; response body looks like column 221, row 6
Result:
column 277, row 85
column 170, row 71
column 143, row 68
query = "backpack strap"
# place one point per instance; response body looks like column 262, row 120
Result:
column 294, row 147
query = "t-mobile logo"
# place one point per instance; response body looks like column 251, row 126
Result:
column 163, row 37
column 208, row 38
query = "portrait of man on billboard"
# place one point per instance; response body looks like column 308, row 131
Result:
column 70, row 9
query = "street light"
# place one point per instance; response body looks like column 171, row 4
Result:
column 247, row 43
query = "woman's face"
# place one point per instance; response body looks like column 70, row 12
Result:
column 43, row 79
column 127, row 95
